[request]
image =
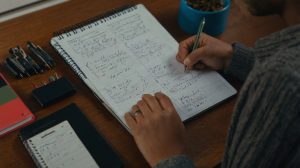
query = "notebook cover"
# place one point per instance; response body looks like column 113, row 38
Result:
column 100, row 150
column 12, row 108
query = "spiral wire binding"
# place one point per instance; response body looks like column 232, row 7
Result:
column 69, row 60
column 88, row 24
column 35, row 155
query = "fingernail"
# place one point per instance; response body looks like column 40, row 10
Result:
column 186, row 61
column 159, row 92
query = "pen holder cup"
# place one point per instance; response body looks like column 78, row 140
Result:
column 216, row 21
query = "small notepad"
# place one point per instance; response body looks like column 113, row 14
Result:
column 126, row 54
column 59, row 146
column 66, row 139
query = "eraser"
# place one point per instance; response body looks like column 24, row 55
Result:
column 53, row 92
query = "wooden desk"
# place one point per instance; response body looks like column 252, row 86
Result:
column 207, row 132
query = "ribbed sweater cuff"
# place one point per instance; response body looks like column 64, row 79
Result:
column 178, row 161
column 242, row 61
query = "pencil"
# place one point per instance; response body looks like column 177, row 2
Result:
column 197, row 42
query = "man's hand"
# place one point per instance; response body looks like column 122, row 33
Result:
column 157, row 128
column 213, row 53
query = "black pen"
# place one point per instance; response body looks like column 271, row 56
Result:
column 43, row 55
column 12, row 71
column 32, row 48
column 32, row 62
column 18, row 57
column 48, row 57
column 21, row 64
column 16, row 65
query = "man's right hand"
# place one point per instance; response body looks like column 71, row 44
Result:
column 213, row 53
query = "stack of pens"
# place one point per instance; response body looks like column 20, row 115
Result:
column 20, row 65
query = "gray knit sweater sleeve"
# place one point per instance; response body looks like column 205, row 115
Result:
column 265, row 128
column 242, row 61
column 180, row 161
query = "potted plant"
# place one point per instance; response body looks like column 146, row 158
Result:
column 214, row 11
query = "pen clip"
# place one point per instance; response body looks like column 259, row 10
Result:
column 43, row 55
column 32, row 48
column 21, row 51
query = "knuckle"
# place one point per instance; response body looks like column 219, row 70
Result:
column 146, row 97
column 149, row 97
column 158, row 96
column 181, row 44
column 164, row 97
column 178, row 57
column 134, row 107
column 166, row 100
column 169, row 110
column 172, row 110
column 193, row 57
column 127, row 119
column 140, row 103
column 203, row 51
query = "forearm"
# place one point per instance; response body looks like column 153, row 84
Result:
column 179, row 161
column 242, row 61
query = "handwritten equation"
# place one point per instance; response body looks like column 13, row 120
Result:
column 91, row 44
column 128, row 89
column 110, row 66
column 129, row 28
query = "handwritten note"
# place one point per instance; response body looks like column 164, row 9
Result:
column 132, row 54
column 129, row 28
column 60, row 147
column 89, row 45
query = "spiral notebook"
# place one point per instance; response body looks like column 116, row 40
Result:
column 67, row 139
column 126, row 53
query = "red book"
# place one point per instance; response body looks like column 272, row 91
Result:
column 14, row 113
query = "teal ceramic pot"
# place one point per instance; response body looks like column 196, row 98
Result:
column 216, row 21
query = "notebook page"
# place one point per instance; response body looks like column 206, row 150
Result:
column 59, row 146
column 133, row 54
